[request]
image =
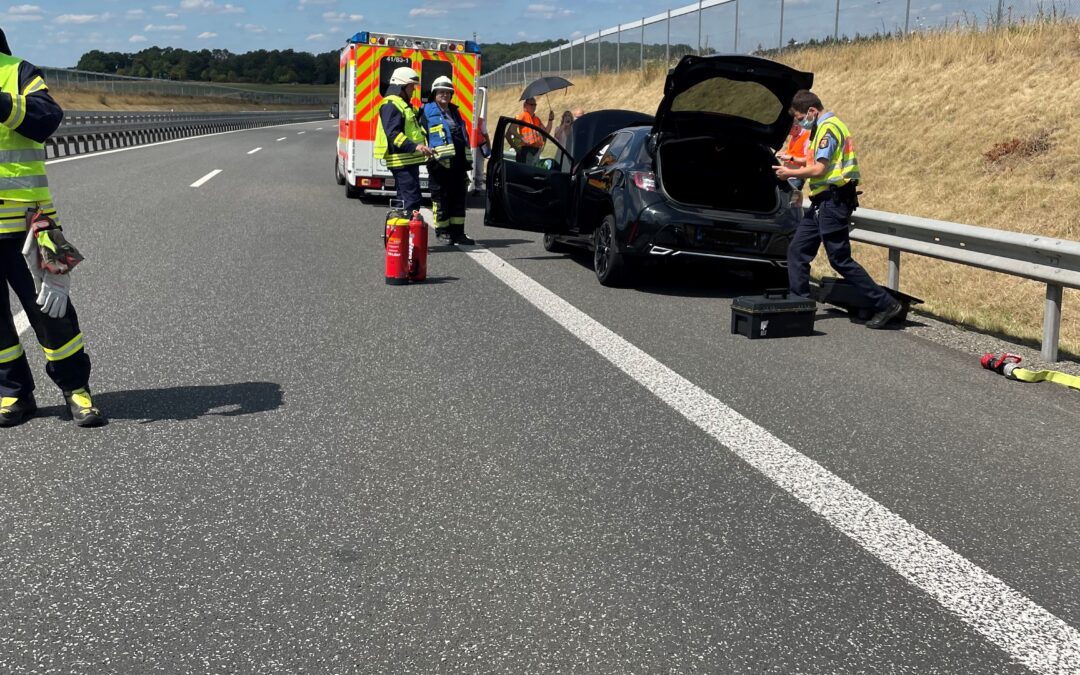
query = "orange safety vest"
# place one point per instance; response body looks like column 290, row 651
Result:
column 530, row 138
column 797, row 146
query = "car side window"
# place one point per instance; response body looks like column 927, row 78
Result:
column 525, row 145
column 617, row 148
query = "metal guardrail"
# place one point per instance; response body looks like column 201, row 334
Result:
column 1055, row 262
column 90, row 131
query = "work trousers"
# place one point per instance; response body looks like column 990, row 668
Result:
column 407, row 184
column 827, row 223
column 448, row 187
column 66, row 360
column 527, row 154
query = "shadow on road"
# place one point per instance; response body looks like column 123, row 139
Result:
column 185, row 403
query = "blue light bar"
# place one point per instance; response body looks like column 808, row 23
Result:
column 472, row 47
column 360, row 38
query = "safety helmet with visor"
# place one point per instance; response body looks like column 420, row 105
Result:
column 404, row 76
column 442, row 83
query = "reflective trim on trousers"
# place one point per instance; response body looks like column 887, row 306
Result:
column 11, row 353
column 70, row 349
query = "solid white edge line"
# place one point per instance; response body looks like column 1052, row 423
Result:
column 252, row 152
column 202, row 181
column 1024, row 630
column 90, row 155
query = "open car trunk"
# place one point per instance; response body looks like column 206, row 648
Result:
column 729, row 175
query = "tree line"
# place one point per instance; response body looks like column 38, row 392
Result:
column 261, row 66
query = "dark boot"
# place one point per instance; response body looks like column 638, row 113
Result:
column 83, row 412
column 15, row 411
column 458, row 233
column 444, row 235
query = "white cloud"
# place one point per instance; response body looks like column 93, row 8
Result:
column 172, row 15
column 206, row 35
column 211, row 6
column 134, row 14
column 251, row 27
column 304, row 3
column 24, row 9
column 541, row 11
column 137, row 38
column 315, row 37
column 13, row 18
column 426, row 11
column 164, row 28
column 81, row 18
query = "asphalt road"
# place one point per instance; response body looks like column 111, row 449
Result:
column 509, row 469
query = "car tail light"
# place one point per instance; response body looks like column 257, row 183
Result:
column 371, row 182
column 644, row 180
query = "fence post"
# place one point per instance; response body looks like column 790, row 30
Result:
column 667, row 46
column 735, row 48
column 618, row 49
column 599, row 46
column 781, row 45
column 836, row 22
column 699, row 27
column 1052, row 322
column 894, row 269
column 643, row 44
column 907, row 16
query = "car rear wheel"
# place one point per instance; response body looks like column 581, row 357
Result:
column 610, row 265
column 338, row 175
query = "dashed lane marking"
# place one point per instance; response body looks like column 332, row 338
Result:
column 204, row 179
column 1024, row 630
column 282, row 138
column 252, row 152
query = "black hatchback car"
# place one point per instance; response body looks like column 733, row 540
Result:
column 695, row 180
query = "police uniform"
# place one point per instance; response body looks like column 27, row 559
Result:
column 832, row 201
column 28, row 116
column 448, row 173
column 396, row 138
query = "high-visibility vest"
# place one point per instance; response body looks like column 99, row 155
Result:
column 22, row 161
column 843, row 165
column 530, row 138
column 412, row 132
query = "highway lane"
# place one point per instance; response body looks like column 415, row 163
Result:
column 309, row 470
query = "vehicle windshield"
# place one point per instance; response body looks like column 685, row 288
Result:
column 733, row 98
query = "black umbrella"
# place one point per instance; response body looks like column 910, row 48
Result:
column 545, row 85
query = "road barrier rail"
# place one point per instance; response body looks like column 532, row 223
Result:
column 1054, row 262
column 92, row 131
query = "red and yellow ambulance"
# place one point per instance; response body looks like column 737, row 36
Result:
column 367, row 61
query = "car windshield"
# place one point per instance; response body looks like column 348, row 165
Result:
column 733, row 98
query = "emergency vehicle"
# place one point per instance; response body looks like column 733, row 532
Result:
column 367, row 61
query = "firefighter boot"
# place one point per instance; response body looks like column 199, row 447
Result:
column 444, row 235
column 15, row 411
column 83, row 412
column 458, row 236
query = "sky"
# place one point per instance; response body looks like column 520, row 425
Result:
column 57, row 32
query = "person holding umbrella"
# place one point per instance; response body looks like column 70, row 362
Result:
column 448, row 170
column 529, row 142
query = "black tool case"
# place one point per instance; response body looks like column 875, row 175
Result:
column 773, row 315
column 840, row 293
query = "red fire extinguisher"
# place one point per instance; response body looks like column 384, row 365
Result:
column 418, row 244
column 397, row 253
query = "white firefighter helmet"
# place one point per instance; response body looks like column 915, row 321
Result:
column 442, row 83
column 404, row 75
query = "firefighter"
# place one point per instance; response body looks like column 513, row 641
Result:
column 28, row 116
column 399, row 138
column 448, row 172
column 832, row 173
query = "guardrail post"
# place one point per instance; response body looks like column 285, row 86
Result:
column 894, row 269
column 1052, row 322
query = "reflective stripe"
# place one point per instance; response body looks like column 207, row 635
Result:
column 36, row 84
column 24, row 182
column 64, row 352
column 18, row 112
column 11, row 353
column 457, row 220
column 400, row 139
column 32, row 155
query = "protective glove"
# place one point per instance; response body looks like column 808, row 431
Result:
column 53, row 296
column 58, row 256
column 53, row 288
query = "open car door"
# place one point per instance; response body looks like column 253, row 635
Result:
column 528, row 180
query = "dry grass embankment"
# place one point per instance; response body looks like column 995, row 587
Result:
column 75, row 99
column 971, row 127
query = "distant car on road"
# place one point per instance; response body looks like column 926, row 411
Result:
column 695, row 180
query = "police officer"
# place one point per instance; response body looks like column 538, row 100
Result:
column 399, row 138
column 28, row 116
column 832, row 174
column 448, row 172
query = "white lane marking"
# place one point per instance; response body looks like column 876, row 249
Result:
column 318, row 129
column 89, row 155
column 252, row 152
column 300, row 133
column 1023, row 629
column 21, row 322
column 201, row 181
column 282, row 138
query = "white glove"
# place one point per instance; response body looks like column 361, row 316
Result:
column 52, row 289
